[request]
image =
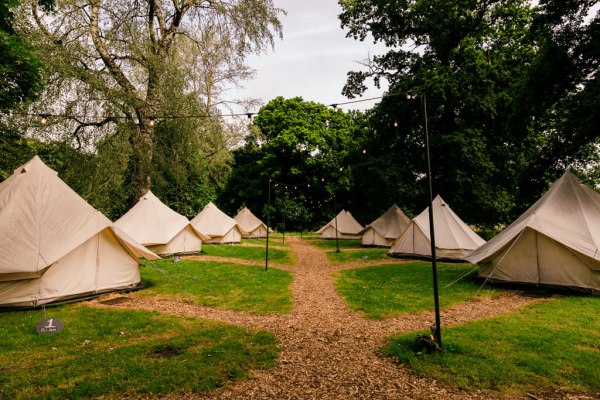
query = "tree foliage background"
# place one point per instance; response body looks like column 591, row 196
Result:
column 307, row 151
column 511, row 91
column 122, row 73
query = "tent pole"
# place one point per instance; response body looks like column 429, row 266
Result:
column 337, row 247
column 268, row 225
column 438, row 328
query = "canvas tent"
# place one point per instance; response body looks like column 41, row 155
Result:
column 161, row 229
column 218, row 226
column 385, row 229
column 347, row 227
column 251, row 224
column 55, row 246
column 556, row 242
column 453, row 238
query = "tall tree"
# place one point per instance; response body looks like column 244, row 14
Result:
column 562, row 91
column 20, row 81
column 304, row 145
column 113, row 62
column 470, row 61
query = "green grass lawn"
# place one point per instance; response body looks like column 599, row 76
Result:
column 391, row 290
column 222, row 285
column 363, row 255
column 543, row 347
column 120, row 353
column 248, row 253
column 274, row 240
column 329, row 245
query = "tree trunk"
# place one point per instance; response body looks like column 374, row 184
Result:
column 141, row 143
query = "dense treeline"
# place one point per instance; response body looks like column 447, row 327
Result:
column 511, row 93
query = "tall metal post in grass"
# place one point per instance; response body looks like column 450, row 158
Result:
column 337, row 247
column 268, row 225
column 438, row 328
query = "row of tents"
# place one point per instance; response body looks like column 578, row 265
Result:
column 555, row 243
column 406, row 237
column 166, row 232
column 55, row 246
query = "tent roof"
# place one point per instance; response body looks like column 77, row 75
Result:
column 345, row 224
column 42, row 219
column 213, row 222
column 569, row 213
column 152, row 222
column 450, row 231
column 391, row 224
column 247, row 220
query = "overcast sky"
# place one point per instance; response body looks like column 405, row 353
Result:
column 312, row 59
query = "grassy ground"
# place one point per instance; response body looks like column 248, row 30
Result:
column 329, row 245
column 222, row 285
column 274, row 240
column 363, row 255
column 391, row 290
column 248, row 253
column 555, row 344
column 119, row 353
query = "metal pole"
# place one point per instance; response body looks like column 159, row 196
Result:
column 337, row 247
column 438, row 327
column 268, row 226
column 283, row 212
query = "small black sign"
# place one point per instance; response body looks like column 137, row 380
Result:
column 49, row 326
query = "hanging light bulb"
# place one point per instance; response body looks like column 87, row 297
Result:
column 408, row 96
column 151, row 120
column 43, row 119
column 364, row 151
column 395, row 124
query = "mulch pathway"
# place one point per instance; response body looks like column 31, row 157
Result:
column 328, row 351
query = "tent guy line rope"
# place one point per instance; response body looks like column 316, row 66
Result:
column 190, row 297
column 499, row 262
column 461, row 277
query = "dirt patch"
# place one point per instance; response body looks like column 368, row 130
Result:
column 166, row 351
column 115, row 300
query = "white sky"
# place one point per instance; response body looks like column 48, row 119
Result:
column 312, row 59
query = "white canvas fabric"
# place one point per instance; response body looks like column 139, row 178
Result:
column 385, row 229
column 453, row 238
column 347, row 227
column 54, row 245
column 251, row 224
column 161, row 229
column 556, row 242
column 218, row 226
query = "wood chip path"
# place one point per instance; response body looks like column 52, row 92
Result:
column 328, row 351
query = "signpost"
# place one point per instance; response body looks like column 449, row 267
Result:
column 49, row 326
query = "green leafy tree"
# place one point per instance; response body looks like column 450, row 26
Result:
column 471, row 61
column 21, row 80
column 111, row 64
column 305, row 148
column 562, row 93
